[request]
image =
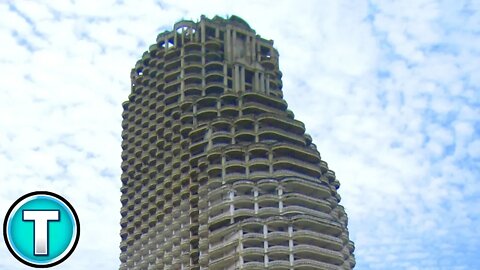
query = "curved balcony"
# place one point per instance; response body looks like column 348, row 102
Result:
column 172, row 75
column 172, row 87
column 308, row 264
column 214, row 88
column 278, row 250
column 192, row 54
column 192, row 61
column 325, row 255
column 319, row 239
column 302, row 168
column 307, row 201
column 308, row 188
column 267, row 100
column 214, row 66
column 206, row 114
column 214, row 76
column 252, row 251
column 213, row 44
column 268, row 62
column 297, row 152
column 172, row 54
column 172, row 65
column 278, row 135
column 273, row 120
column 254, row 266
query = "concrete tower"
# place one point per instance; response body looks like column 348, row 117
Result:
column 217, row 173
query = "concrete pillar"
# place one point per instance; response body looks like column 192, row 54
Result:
column 253, row 57
column 232, row 131
column 234, row 45
column 255, row 197
column 236, row 78
column 242, row 78
column 247, row 158
column 182, row 75
column 248, row 52
column 262, row 82
column 209, row 136
column 265, row 244
column 270, row 162
column 290, row 244
column 183, row 36
column 202, row 31
column 267, row 84
column 228, row 44
column 232, row 207
column 225, row 76
column 280, row 199
column 194, row 110
column 223, row 166
column 240, row 248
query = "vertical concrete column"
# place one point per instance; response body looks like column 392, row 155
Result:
column 232, row 206
column 203, row 67
column 175, row 38
column 240, row 248
column 223, row 166
column 202, row 31
column 255, row 128
column 280, row 198
column 242, row 78
column 247, row 159
column 209, row 136
column 290, row 244
column 262, row 82
column 194, row 34
column 258, row 53
column 228, row 44
column 265, row 244
column 183, row 36
column 248, row 52
column 255, row 198
column 236, row 78
column 256, row 84
column 182, row 74
column 218, row 106
column 270, row 161
column 267, row 84
column 252, row 49
column 234, row 45
column 194, row 110
column 225, row 75
column 232, row 131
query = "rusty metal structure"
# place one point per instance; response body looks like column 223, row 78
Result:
column 217, row 172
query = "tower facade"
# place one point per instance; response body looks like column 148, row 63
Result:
column 217, row 172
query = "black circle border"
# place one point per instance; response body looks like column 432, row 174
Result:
column 7, row 216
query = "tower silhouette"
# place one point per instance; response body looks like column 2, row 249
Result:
column 217, row 172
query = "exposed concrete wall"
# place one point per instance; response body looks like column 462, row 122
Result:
column 217, row 173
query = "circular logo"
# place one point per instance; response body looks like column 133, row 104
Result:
column 41, row 229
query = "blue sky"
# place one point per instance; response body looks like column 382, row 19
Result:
column 389, row 90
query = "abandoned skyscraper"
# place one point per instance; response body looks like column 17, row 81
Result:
column 217, row 172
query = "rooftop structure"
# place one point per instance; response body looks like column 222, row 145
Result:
column 217, row 172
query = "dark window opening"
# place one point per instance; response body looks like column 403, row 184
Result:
column 210, row 32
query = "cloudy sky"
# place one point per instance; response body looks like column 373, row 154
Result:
column 389, row 90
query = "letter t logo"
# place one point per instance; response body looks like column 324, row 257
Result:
column 40, row 220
